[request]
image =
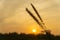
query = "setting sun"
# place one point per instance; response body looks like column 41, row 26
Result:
column 34, row 30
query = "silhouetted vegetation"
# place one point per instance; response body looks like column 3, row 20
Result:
column 22, row 36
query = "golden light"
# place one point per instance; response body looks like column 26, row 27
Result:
column 34, row 30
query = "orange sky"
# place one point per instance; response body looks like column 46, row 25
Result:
column 14, row 18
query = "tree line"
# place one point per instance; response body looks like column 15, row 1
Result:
column 23, row 36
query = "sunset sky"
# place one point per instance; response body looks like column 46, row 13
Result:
column 14, row 18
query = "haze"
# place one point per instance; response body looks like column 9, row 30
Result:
column 14, row 18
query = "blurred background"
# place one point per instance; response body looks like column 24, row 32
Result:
column 14, row 18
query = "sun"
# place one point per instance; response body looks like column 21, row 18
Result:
column 34, row 30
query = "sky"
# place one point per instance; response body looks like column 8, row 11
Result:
column 14, row 18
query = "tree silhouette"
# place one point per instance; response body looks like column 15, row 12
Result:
column 22, row 36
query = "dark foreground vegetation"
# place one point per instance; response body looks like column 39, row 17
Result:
column 22, row 36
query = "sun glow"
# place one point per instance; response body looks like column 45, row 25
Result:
column 34, row 30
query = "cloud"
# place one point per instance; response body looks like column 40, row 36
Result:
column 8, row 9
column 13, row 13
